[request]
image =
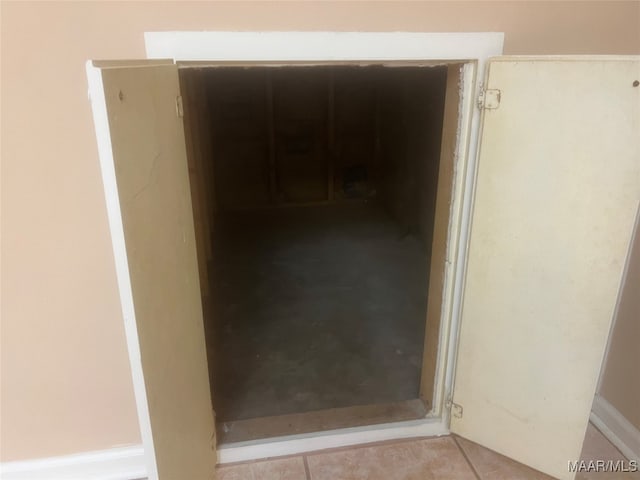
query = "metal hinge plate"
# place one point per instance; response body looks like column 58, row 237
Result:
column 456, row 409
column 179, row 107
column 489, row 99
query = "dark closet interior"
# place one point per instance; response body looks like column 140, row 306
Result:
column 314, row 193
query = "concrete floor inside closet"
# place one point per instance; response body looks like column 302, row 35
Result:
column 314, row 308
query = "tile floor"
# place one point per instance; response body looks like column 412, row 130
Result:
column 423, row 459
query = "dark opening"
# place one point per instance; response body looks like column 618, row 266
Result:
column 314, row 195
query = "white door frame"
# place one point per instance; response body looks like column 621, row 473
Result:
column 389, row 48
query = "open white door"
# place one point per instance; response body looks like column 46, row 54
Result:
column 144, row 168
column 558, row 185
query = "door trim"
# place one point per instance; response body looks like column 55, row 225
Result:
column 472, row 50
column 321, row 46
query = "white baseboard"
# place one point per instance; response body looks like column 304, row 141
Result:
column 616, row 428
column 124, row 463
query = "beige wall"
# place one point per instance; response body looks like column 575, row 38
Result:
column 65, row 380
column 620, row 382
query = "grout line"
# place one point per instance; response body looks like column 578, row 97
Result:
column 306, row 467
column 355, row 446
column 473, row 468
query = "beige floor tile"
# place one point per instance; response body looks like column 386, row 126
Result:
column 491, row 465
column 278, row 469
column 234, row 472
column 428, row 459
column 597, row 447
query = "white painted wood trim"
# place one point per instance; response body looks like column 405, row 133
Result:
column 321, row 46
column 459, row 224
column 124, row 463
column 105, row 153
column 309, row 442
column 616, row 428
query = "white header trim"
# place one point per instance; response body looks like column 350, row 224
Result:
column 322, row 46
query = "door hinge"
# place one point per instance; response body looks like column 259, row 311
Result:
column 179, row 107
column 455, row 409
column 489, row 99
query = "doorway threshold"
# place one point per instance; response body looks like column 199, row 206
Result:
column 293, row 444
column 319, row 421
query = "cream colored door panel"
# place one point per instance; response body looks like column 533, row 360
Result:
column 558, row 185
column 144, row 166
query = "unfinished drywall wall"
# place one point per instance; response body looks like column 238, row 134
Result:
column 66, row 385
column 291, row 135
column 354, row 153
column 311, row 135
column 240, row 136
column 411, row 113
column 300, row 120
